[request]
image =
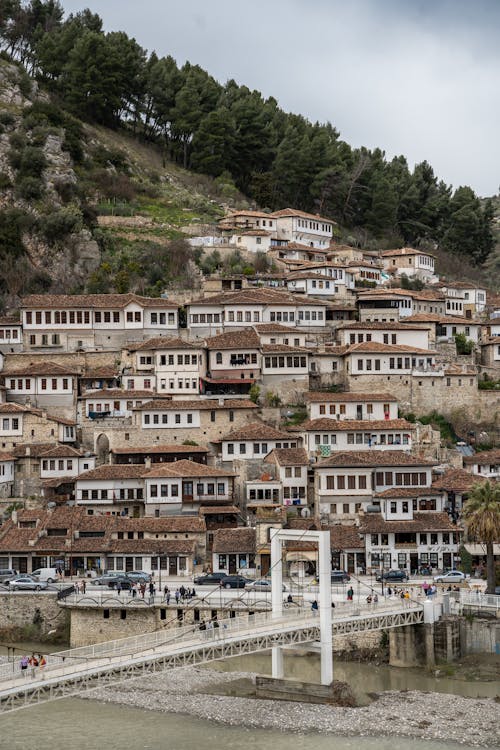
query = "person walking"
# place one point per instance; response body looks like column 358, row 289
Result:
column 177, row 596
column 314, row 607
column 350, row 594
column 215, row 624
column 24, row 664
column 151, row 589
column 119, row 588
column 84, row 586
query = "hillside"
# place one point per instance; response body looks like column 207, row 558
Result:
column 107, row 154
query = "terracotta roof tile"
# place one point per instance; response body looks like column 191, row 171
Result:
column 485, row 457
column 184, row 468
column 274, row 328
column 118, row 393
column 375, row 347
column 346, row 425
column 345, row 538
column 290, row 212
column 455, row 480
column 246, row 339
column 373, row 459
column 145, row 450
column 164, row 342
column 402, row 251
column 42, row 367
column 202, row 405
column 407, row 492
column 426, row 521
column 262, row 296
column 112, row 471
column 234, row 540
column 211, row 510
column 288, row 457
column 258, row 431
column 97, row 301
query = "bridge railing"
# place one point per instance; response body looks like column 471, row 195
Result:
column 479, row 600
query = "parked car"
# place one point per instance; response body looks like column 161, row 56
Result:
column 105, row 579
column 125, row 582
column 210, row 579
column 27, row 583
column 234, row 582
column 139, row 576
column 452, row 576
column 336, row 576
column 262, row 584
column 6, row 574
column 393, row 576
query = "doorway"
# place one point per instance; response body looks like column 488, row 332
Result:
column 172, row 566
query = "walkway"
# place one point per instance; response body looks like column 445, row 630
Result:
column 73, row 671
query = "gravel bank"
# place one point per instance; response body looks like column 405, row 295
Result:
column 431, row 716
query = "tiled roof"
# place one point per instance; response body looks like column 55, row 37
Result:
column 7, row 457
column 168, row 524
column 13, row 408
column 483, row 457
column 246, row 339
column 315, row 397
column 147, row 449
column 404, row 251
column 345, row 537
column 118, row 393
column 34, row 450
column 407, row 492
column 262, row 296
column 274, row 328
column 443, row 319
column 234, row 540
column 113, row 471
column 164, row 342
column 375, row 347
column 202, row 405
column 258, row 431
column 184, row 468
column 97, row 301
column 7, row 320
column 212, row 510
column 347, row 425
column 43, row 367
column 456, row 480
column 290, row 212
column 424, row 294
column 288, row 457
column 283, row 349
column 372, row 325
column 106, row 371
column 253, row 214
column 373, row 523
column 373, row 459
column 254, row 233
column 309, row 274
column 64, row 451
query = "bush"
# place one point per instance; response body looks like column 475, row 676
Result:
column 57, row 225
column 29, row 188
column 254, row 393
column 33, row 162
column 5, row 181
column 463, row 344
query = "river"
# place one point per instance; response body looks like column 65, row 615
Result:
column 86, row 725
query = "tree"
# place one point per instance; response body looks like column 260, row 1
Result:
column 481, row 514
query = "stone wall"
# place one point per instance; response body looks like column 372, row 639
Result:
column 480, row 636
column 17, row 610
column 80, row 360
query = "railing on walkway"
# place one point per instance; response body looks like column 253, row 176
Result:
column 479, row 600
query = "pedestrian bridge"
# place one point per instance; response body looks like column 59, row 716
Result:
column 68, row 673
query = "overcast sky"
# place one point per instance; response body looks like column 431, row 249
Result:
column 414, row 77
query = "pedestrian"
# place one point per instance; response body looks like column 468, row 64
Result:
column 350, row 594
column 202, row 627
column 134, row 591
column 193, row 592
column 210, row 629
column 151, row 589
column 215, row 624
column 167, row 598
column 143, row 589
column 33, row 662
column 165, row 591
column 84, row 586
column 182, row 592
column 369, row 599
column 77, row 587
column 289, row 599
column 375, row 598
column 177, row 596
column 24, row 663
column 314, row 607
column 119, row 588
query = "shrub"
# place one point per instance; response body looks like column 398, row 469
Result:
column 29, row 188
column 25, row 84
column 5, row 181
column 463, row 344
column 17, row 140
column 272, row 399
column 60, row 223
column 33, row 162
column 254, row 393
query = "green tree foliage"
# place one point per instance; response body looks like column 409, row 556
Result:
column 481, row 513
column 277, row 158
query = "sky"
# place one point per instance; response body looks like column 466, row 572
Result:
column 413, row 77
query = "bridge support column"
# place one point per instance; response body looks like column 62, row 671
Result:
column 278, row 670
column 406, row 646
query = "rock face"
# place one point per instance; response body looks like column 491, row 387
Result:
column 68, row 261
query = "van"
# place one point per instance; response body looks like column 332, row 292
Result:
column 6, row 574
column 45, row 574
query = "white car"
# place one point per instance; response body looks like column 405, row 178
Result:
column 452, row 576
column 261, row 584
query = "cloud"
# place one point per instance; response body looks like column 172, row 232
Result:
column 416, row 78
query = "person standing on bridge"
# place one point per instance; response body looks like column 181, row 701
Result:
column 350, row 594
column 314, row 607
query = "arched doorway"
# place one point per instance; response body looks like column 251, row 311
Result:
column 102, row 448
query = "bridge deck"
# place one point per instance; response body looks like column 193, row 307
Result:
column 73, row 671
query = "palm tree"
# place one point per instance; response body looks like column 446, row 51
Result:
column 481, row 513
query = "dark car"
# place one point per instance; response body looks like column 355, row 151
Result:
column 234, row 582
column 139, row 576
column 125, row 582
column 105, row 579
column 392, row 576
column 210, row 579
column 339, row 576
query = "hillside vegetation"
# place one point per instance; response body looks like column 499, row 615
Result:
column 91, row 125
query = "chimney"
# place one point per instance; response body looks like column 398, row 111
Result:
column 27, row 451
column 147, row 462
column 13, row 517
column 221, row 401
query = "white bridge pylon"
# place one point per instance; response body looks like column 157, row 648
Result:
column 278, row 536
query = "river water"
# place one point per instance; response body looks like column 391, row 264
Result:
column 85, row 725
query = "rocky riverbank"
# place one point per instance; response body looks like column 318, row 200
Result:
column 205, row 694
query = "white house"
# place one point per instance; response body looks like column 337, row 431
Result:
column 65, row 461
column 484, row 464
column 116, row 489
column 371, row 358
column 349, row 482
column 255, row 441
column 292, row 466
column 72, row 322
column 11, row 334
column 177, row 365
column 299, row 226
column 360, row 406
column 7, row 468
column 412, row 263
column 445, row 327
column 325, row 435
column 42, row 384
column 473, row 297
column 388, row 305
column 234, row 361
column 275, row 333
column 395, row 333
column 184, row 486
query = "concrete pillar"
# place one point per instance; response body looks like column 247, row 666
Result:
column 402, row 647
column 430, row 656
column 325, row 608
column 276, row 575
column 278, row 670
